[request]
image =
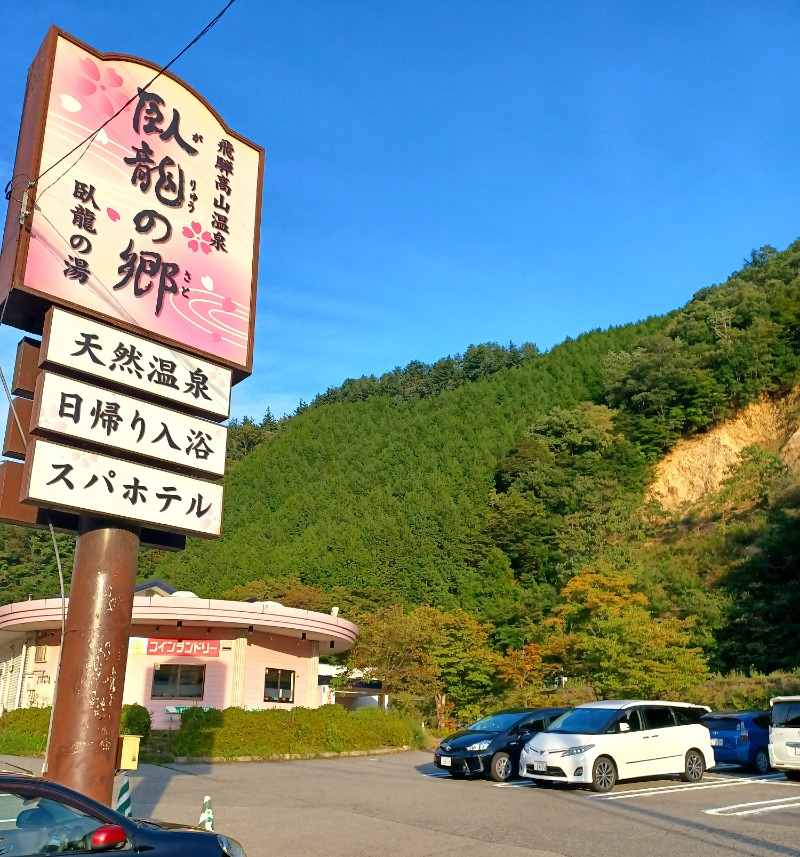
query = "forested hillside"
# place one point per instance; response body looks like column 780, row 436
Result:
column 389, row 492
column 510, row 486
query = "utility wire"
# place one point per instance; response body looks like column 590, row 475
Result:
column 90, row 138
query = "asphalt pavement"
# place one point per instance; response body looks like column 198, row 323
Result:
column 401, row 805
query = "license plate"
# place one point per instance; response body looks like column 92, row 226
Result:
column 540, row 766
column 716, row 742
column 446, row 761
column 797, row 751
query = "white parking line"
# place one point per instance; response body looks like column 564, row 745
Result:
column 717, row 783
column 515, row 784
column 437, row 776
column 756, row 807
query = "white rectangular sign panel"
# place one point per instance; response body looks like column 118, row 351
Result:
column 61, row 477
column 127, row 425
column 118, row 358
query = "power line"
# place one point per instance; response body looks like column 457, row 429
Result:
column 90, row 138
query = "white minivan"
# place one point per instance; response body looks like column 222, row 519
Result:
column 784, row 735
column 601, row 742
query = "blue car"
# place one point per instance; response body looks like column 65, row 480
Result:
column 740, row 738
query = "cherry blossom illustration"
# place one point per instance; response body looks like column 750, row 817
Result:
column 101, row 85
column 199, row 240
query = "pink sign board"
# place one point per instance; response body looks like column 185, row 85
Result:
column 154, row 223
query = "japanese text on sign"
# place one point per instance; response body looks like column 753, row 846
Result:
column 187, row 648
column 81, row 411
column 159, row 646
column 60, row 477
column 121, row 359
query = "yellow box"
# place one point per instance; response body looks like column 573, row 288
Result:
column 128, row 752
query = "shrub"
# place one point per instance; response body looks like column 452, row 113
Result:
column 298, row 731
column 574, row 692
column 746, row 693
column 135, row 721
column 23, row 732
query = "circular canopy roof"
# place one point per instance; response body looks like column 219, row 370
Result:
column 193, row 612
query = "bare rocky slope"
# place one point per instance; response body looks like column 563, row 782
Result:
column 699, row 465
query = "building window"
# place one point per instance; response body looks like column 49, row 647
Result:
column 178, row 681
column 278, row 685
column 40, row 655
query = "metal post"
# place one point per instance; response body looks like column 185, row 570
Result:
column 87, row 707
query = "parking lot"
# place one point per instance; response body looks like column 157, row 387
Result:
column 400, row 804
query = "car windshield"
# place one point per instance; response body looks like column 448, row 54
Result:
column 495, row 723
column 786, row 714
column 722, row 724
column 584, row 721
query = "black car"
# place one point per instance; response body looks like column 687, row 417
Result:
column 491, row 747
column 41, row 817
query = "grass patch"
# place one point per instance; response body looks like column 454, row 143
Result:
column 157, row 749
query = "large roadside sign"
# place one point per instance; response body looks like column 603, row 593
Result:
column 131, row 247
column 135, row 258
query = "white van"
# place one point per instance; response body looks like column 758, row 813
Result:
column 784, row 735
column 600, row 742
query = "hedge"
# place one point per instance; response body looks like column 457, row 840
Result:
column 235, row 732
column 23, row 732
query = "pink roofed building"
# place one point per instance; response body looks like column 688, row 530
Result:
column 183, row 651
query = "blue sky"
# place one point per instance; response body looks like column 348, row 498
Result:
column 451, row 172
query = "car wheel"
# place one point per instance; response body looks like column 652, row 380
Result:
column 501, row 769
column 761, row 763
column 694, row 767
column 604, row 775
column 793, row 775
column 457, row 775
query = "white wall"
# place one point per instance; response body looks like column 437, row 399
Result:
column 13, row 668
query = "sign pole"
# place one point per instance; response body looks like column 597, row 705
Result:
column 87, row 707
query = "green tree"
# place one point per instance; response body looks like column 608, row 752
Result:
column 441, row 657
column 394, row 647
column 246, row 434
column 28, row 567
column 563, row 488
column 603, row 633
column 664, row 391
column 289, row 591
column 466, row 667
